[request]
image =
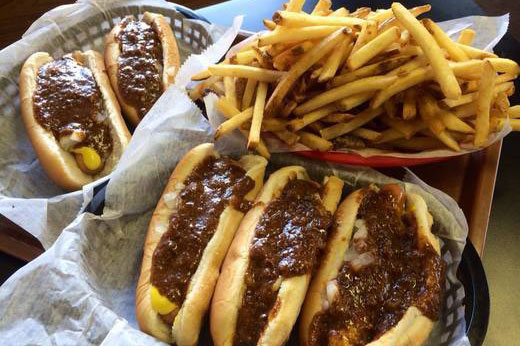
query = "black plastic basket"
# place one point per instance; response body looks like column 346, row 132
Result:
column 470, row 273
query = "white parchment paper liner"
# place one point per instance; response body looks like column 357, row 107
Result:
column 489, row 31
column 27, row 196
column 81, row 290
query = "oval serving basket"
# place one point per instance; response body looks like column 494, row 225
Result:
column 192, row 37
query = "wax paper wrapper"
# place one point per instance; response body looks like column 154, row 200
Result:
column 489, row 31
column 81, row 290
column 27, row 196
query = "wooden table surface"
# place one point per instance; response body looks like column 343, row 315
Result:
column 469, row 179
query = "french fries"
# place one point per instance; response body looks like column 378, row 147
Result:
column 443, row 40
column 466, row 37
column 296, row 34
column 333, row 61
column 352, row 88
column 314, row 142
column 436, row 126
column 234, row 123
column 297, row 20
column 369, row 70
column 258, row 115
column 360, row 120
column 372, row 48
column 242, row 71
column 301, row 66
column 484, row 98
column 443, row 73
column 380, row 79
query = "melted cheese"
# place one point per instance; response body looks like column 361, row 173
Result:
column 160, row 303
column 91, row 158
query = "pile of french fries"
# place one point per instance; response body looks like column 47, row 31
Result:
column 364, row 79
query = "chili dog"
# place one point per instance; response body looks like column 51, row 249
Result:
column 381, row 279
column 142, row 59
column 267, row 269
column 72, row 117
column 188, row 236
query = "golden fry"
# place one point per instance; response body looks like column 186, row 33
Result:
column 391, row 22
column 455, row 52
column 201, row 76
column 290, row 138
column 413, row 78
column 427, row 106
column 465, row 110
column 368, row 134
column 484, row 99
column 514, row 123
column 217, row 88
column 299, row 123
column 353, row 101
column 369, row 70
column 360, row 120
column 284, row 60
column 453, row 123
column 381, row 16
column 295, row 34
column 409, row 104
column 467, row 98
column 502, row 102
column 300, row 67
column 372, row 48
column 388, row 135
column 322, row 5
column 475, row 53
column 230, row 91
column 361, row 12
column 273, row 124
column 367, row 33
column 340, row 12
column 298, row 20
column 474, row 84
column 248, row 93
column 225, row 107
column 258, row 115
column 444, row 75
column 466, row 37
column 233, row 123
column 338, row 118
column 243, row 71
column 315, row 127
column 269, row 24
column 407, row 128
column 408, row 67
column 504, row 65
column 198, row 92
column 314, row 142
column 404, row 39
column 245, row 57
column 352, row 88
column 333, row 61
column 514, row 112
column 262, row 149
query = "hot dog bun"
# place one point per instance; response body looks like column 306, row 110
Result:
column 413, row 328
column 231, row 286
column 59, row 164
column 170, row 55
column 187, row 322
